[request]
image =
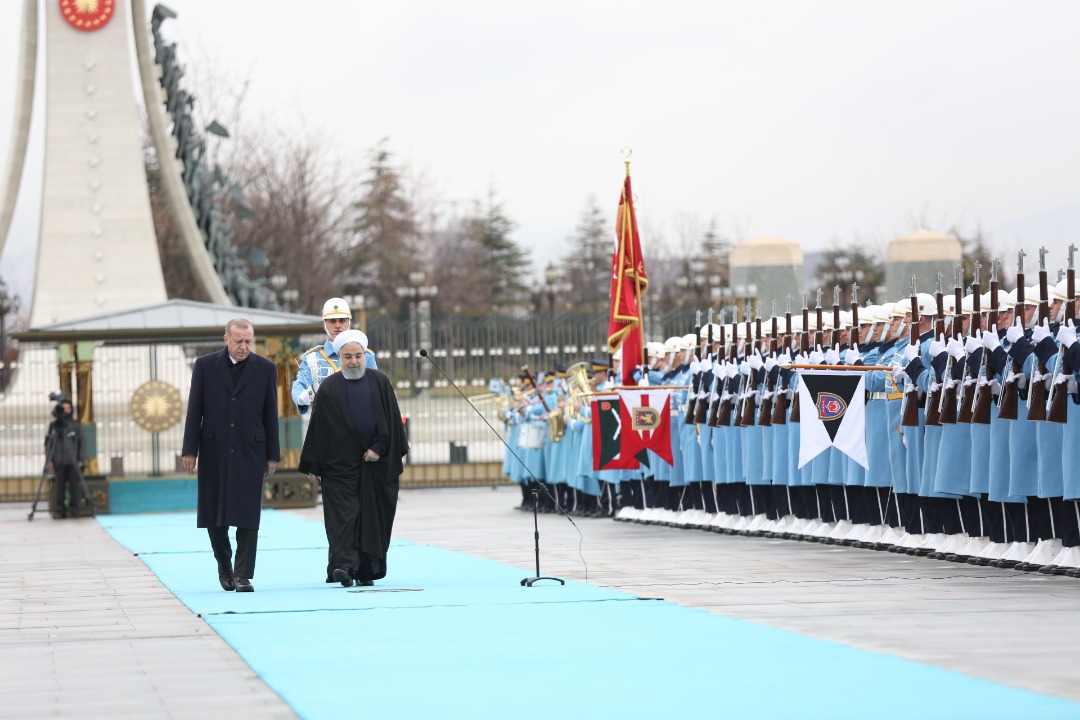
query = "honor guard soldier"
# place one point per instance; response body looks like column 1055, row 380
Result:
column 321, row 361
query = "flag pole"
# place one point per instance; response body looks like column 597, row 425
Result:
column 856, row 368
column 627, row 151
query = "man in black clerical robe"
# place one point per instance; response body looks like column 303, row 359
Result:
column 354, row 448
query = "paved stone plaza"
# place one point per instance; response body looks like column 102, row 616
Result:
column 89, row 631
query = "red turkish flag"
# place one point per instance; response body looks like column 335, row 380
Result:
column 628, row 284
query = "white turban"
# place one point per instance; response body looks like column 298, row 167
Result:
column 350, row 336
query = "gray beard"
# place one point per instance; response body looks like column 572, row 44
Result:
column 354, row 373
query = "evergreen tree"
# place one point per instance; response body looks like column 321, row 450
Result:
column 503, row 264
column 587, row 267
column 384, row 250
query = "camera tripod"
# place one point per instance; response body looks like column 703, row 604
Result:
column 47, row 472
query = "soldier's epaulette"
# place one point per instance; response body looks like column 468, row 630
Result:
column 311, row 350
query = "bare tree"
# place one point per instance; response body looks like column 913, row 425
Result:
column 298, row 221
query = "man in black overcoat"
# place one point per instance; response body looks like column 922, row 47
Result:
column 232, row 428
column 354, row 449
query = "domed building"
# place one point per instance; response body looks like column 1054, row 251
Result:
column 766, row 268
column 922, row 254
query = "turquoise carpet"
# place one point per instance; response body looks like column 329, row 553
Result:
column 448, row 635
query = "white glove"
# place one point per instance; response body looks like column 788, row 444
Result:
column 973, row 343
column 816, row 357
column 990, row 339
column 695, row 367
column 911, row 352
column 898, row 373
column 732, row 370
column 852, row 356
column 995, row 387
column 306, row 398
column 1070, row 384
column 832, row 355
column 937, row 346
column 719, row 370
column 1040, row 332
column 770, row 363
column 955, row 348
column 1015, row 332
column 1066, row 334
column 754, row 361
column 785, row 358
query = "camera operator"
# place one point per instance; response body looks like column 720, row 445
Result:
column 64, row 456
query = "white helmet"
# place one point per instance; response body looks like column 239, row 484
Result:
column 336, row 308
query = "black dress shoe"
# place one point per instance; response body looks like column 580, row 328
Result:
column 243, row 585
column 365, row 583
column 226, row 582
column 342, row 576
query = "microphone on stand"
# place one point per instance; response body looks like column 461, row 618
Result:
column 528, row 582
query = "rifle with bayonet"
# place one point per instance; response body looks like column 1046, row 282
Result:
column 933, row 397
column 910, row 414
column 980, row 410
column 1010, row 389
column 949, row 391
column 749, row 395
column 1058, row 406
column 834, row 340
column 804, row 348
column 1036, row 384
column 724, row 405
column 696, row 380
column 780, row 400
column 854, row 340
column 766, row 412
column 971, row 370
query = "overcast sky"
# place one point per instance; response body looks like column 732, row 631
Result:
column 813, row 121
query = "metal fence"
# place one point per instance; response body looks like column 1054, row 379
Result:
column 443, row 427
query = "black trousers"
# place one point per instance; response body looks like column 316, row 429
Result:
column 67, row 485
column 247, row 540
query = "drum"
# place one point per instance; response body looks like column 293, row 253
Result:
column 531, row 436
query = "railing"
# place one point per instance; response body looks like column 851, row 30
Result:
column 443, row 428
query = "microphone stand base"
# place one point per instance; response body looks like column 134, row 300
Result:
column 528, row 582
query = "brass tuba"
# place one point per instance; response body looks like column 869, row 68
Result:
column 579, row 388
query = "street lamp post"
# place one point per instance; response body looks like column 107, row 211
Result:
column 358, row 304
column 419, row 297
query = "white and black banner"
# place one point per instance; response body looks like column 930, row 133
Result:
column 838, row 417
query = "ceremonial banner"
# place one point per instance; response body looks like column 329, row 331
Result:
column 606, row 437
column 837, row 401
column 646, row 421
column 628, row 284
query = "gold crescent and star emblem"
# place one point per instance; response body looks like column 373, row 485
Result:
column 155, row 406
column 87, row 15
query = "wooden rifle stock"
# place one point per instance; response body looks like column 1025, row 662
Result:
column 1037, row 391
column 1059, row 407
column 701, row 410
column 766, row 412
column 971, row 370
column 933, row 400
column 748, row 414
column 723, row 406
column 980, row 412
column 910, row 417
column 948, row 394
column 780, row 400
column 699, row 380
column 804, row 347
column 1010, row 391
